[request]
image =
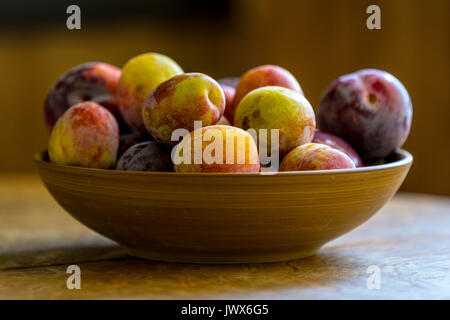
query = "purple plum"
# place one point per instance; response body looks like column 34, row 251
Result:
column 130, row 139
column 370, row 109
column 90, row 81
column 146, row 156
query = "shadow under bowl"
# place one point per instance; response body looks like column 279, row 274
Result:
column 223, row 218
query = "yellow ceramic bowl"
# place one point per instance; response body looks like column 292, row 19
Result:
column 223, row 218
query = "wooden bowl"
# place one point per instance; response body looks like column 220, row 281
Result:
column 223, row 218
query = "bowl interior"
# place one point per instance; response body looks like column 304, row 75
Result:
column 398, row 158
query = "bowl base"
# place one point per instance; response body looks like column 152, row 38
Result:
column 236, row 258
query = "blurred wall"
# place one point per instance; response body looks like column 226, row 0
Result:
column 316, row 40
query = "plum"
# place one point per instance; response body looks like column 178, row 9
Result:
column 337, row 143
column 262, row 76
column 223, row 121
column 221, row 149
column 315, row 156
column 181, row 100
column 277, row 108
column 90, row 81
column 86, row 135
column 229, row 81
column 146, row 156
column 140, row 75
column 129, row 139
column 370, row 109
column 229, row 96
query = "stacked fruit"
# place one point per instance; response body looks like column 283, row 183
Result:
column 97, row 114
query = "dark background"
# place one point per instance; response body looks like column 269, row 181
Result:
column 316, row 40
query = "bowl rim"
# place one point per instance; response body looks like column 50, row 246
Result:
column 406, row 159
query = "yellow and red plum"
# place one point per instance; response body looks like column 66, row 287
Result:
column 91, row 81
column 370, row 109
column 337, row 143
column 146, row 156
column 181, row 100
column 262, row 76
column 315, row 156
column 140, row 75
column 217, row 149
column 277, row 108
column 86, row 135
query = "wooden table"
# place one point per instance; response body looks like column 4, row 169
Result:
column 408, row 242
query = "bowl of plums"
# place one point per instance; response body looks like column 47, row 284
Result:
column 181, row 167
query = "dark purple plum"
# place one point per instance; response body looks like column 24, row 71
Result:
column 229, row 81
column 337, row 143
column 370, row 109
column 130, row 139
column 146, row 156
column 90, row 81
